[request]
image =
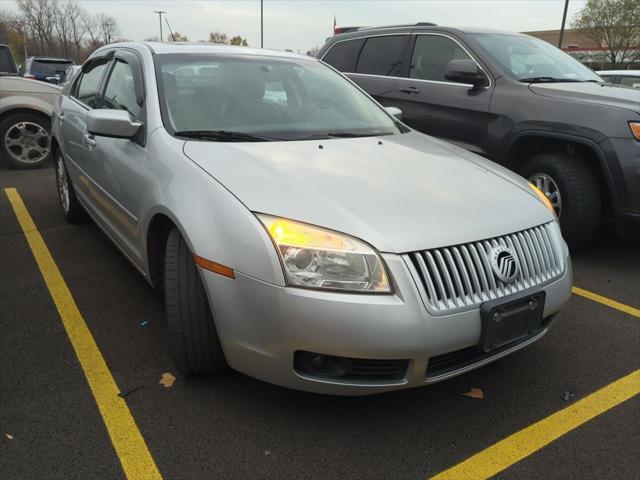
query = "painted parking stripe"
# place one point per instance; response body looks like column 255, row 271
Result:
column 607, row 301
column 521, row 444
column 134, row 455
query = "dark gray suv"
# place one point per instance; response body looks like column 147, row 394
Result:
column 516, row 100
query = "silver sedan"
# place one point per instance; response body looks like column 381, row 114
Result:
column 299, row 231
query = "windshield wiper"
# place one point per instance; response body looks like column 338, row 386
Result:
column 354, row 135
column 224, row 136
column 547, row 80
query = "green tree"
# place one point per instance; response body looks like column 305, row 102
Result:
column 238, row 40
column 614, row 25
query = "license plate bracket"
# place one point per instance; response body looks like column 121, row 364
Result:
column 506, row 321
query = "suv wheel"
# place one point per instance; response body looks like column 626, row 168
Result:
column 193, row 338
column 73, row 211
column 25, row 140
column 571, row 187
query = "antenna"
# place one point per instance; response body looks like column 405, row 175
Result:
column 169, row 27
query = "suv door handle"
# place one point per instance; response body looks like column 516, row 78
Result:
column 410, row 90
column 90, row 140
column 60, row 117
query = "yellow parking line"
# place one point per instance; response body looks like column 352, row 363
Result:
column 607, row 301
column 521, row 444
column 131, row 448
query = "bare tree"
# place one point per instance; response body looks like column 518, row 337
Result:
column 39, row 18
column 614, row 25
column 108, row 28
column 77, row 28
column 177, row 37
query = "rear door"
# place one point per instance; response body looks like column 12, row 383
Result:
column 430, row 103
column 374, row 63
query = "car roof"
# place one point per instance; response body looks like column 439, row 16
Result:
column 162, row 48
column 631, row 73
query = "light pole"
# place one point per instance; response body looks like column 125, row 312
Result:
column 160, row 12
column 564, row 19
column 261, row 24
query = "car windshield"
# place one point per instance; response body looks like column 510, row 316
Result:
column 269, row 97
column 532, row 59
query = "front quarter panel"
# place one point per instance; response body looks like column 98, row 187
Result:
column 214, row 223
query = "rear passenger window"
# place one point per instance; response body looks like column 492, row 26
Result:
column 344, row 55
column 431, row 55
column 382, row 56
column 88, row 85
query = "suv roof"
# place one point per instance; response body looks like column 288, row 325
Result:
column 416, row 27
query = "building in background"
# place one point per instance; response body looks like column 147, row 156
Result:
column 583, row 48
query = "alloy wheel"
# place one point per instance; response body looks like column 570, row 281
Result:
column 27, row 143
column 550, row 188
column 63, row 185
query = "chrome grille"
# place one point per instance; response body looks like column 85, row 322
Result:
column 460, row 277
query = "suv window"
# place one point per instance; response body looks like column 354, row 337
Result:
column 88, row 85
column 431, row 55
column 120, row 93
column 344, row 55
column 381, row 56
column 630, row 81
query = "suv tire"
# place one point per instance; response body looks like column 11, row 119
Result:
column 73, row 211
column 25, row 139
column 579, row 198
column 193, row 338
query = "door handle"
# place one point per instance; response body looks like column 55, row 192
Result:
column 90, row 140
column 410, row 90
column 60, row 117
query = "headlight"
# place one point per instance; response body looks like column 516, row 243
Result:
column 635, row 129
column 313, row 257
column 543, row 198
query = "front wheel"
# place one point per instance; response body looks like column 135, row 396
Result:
column 571, row 187
column 193, row 338
column 24, row 139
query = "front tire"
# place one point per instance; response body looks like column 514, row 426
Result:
column 573, row 190
column 25, row 139
column 193, row 338
column 73, row 211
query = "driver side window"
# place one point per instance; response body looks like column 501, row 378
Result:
column 431, row 55
column 120, row 93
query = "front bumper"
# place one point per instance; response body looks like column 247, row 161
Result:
column 261, row 326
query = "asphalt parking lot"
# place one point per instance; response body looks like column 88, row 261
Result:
column 232, row 426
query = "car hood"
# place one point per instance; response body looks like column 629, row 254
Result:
column 599, row 93
column 399, row 193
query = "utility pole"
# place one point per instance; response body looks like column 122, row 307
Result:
column 160, row 12
column 564, row 19
column 261, row 23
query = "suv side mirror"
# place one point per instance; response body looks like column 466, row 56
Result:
column 112, row 123
column 465, row 71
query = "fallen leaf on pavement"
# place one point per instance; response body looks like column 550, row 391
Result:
column 9, row 436
column 474, row 393
column 167, row 380
column 568, row 395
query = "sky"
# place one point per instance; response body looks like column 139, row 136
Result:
column 302, row 24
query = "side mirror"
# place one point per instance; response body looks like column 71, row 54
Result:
column 112, row 123
column 465, row 71
column 395, row 111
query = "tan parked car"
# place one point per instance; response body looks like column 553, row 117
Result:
column 25, row 120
